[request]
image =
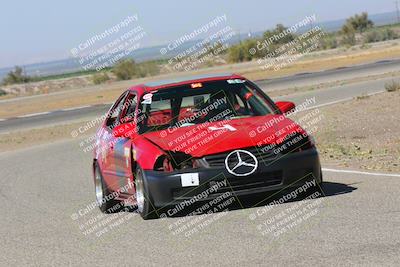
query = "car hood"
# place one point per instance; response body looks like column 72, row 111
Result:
column 212, row 138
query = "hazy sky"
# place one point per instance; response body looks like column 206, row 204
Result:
column 42, row 30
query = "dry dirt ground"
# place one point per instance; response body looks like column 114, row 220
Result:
column 27, row 138
column 361, row 134
column 109, row 92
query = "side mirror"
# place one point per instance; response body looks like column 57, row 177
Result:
column 125, row 130
column 285, row 106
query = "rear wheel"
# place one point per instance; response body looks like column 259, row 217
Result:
column 143, row 199
column 104, row 197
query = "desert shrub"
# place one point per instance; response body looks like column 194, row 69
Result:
column 125, row 69
column 16, row 76
column 241, row 52
column 148, row 68
column 373, row 36
column 99, row 78
column 348, row 35
column 359, row 23
column 216, row 48
column 379, row 35
column 277, row 31
column 236, row 53
column 392, row 86
column 349, row 40
column 389, row 34
column 2, row 92
column 328, row 42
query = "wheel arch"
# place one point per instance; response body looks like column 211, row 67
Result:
column 145, row 154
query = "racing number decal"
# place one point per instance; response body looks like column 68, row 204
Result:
column 225, row 127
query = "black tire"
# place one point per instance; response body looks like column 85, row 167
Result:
column 145, row 206
column 321, row 184
column 105, row 201
column 322, row 180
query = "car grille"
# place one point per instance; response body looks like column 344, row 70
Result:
column 253, row 181
column 234, row 184
column 261, row 153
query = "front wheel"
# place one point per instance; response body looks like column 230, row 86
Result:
column 104, row 197
column 145, row 207
column 321, row 184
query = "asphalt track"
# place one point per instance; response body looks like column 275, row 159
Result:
column 338, row 74
column 333, row 94
column 44, row 188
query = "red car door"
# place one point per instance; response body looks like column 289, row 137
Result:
column 121, row 168
column 107, row 144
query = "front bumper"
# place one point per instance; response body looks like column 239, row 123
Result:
column 290, row 170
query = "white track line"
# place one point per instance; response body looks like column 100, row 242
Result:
column 34, row 114
column 48, row 112
column 329, row 103
column 341, row 100
column 360, row 172
column 74, row 108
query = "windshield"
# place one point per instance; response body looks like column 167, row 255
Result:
column 201, row 102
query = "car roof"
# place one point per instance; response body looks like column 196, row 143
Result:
column 155, row 85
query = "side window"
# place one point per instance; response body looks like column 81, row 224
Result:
column 112, row 119
column 128, row 113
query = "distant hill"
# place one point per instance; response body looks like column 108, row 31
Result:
column 148, row 53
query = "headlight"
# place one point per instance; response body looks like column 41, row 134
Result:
column 297, row 142
column 174, row 161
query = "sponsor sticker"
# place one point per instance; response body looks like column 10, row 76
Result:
column 225, row 127
column 147, row 98
column 190, row 179
column 233, row 81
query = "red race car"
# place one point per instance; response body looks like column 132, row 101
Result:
column 163, row 143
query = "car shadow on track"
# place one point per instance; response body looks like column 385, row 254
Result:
column 328, row 189
column 333, row 189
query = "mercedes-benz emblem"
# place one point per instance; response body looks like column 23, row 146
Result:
column 241, row 163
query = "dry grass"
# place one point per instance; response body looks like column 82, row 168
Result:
column 392, row 86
